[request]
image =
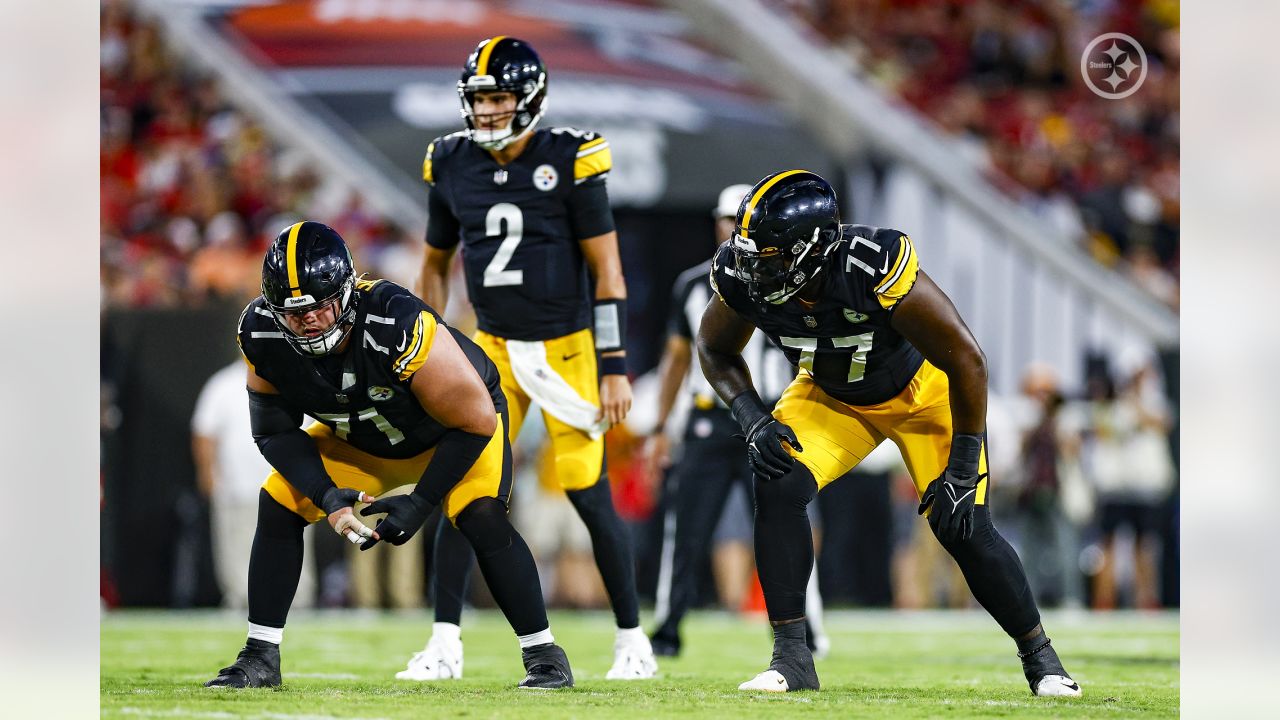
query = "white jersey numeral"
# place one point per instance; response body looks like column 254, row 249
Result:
column 342, row 424
column 808, row 348
column 496, row 273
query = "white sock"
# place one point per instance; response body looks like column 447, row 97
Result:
column 541, row 637
column 446, row 631
column 267, row 634
column 632, row 636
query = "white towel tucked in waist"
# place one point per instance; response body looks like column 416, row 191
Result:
column 552, row 392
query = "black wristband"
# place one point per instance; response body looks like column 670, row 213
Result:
column 610, row 324
column 613, row 365
column 966, row 451
column 748, row 409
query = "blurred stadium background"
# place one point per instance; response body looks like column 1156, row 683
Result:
column 1050, row 215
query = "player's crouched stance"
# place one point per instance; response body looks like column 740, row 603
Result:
column 401, row 399
column 882, row 354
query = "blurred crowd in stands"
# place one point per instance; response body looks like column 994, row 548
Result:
column 192, row 190
column 1002, row 78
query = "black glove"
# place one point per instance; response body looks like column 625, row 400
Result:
column 768, row 457
column 764, row 436
column 954, row 493
column 405, row 516
column 336, row 498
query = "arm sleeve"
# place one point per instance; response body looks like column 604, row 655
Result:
column 455, row 454
column 290, row 451
column 589, row 211
column 443, row 229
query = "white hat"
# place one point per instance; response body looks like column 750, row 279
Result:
column 730, row 199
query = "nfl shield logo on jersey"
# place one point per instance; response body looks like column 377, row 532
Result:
column 379, row 393
column 810, row 321
column 545, row 177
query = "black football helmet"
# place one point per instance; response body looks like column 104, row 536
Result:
column 308, row 267
column 786, row 225
column 504, row 64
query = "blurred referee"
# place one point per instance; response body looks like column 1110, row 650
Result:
column 711, row 460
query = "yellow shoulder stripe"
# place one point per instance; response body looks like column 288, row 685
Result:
column 901, row 277
column 597, row 159
column 590, row 145
column 426, row 164
column 366, row 285
column 419, row 346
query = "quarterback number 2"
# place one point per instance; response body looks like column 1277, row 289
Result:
column 504, row 218
column 808, row 348
column 342, row 424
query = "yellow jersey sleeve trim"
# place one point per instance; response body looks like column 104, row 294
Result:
column 367, row 285
column 426, row 165
column 424, row 332
column 901, row 278
column 593, row 161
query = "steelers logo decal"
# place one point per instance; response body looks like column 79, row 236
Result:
column 545, row 177
column 377, row 392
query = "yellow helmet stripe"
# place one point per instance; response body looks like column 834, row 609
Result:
column 482, row 65
column 751, row 206
column 291, row 252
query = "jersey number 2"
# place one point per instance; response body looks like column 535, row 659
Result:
column 808, row 348
column 496, row 273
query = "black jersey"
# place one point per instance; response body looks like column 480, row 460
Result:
column 363, row 393
column 844, row 341
column 520, row 224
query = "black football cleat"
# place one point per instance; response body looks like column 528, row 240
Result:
column 1045, row 674
column 665, row 646
column 547, row 668
column 257, row 665
column 787, row 672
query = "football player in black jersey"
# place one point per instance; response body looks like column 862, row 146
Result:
column 882, row 353
column 531, row 212
column 401, row 399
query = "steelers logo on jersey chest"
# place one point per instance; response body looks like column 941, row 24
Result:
column 854, row 316
column 380, row 393
column 545, row 178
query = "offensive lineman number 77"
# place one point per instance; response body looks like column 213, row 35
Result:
column 808, row 348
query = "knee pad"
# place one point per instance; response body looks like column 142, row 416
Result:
column 484, row 523
column 277, row 521
column 790, row 492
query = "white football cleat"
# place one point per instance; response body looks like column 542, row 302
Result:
column 768, row 681
column 633, row 659
column 1057, row 686
column 440, row 660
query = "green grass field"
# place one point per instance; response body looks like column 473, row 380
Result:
column 908, row 665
